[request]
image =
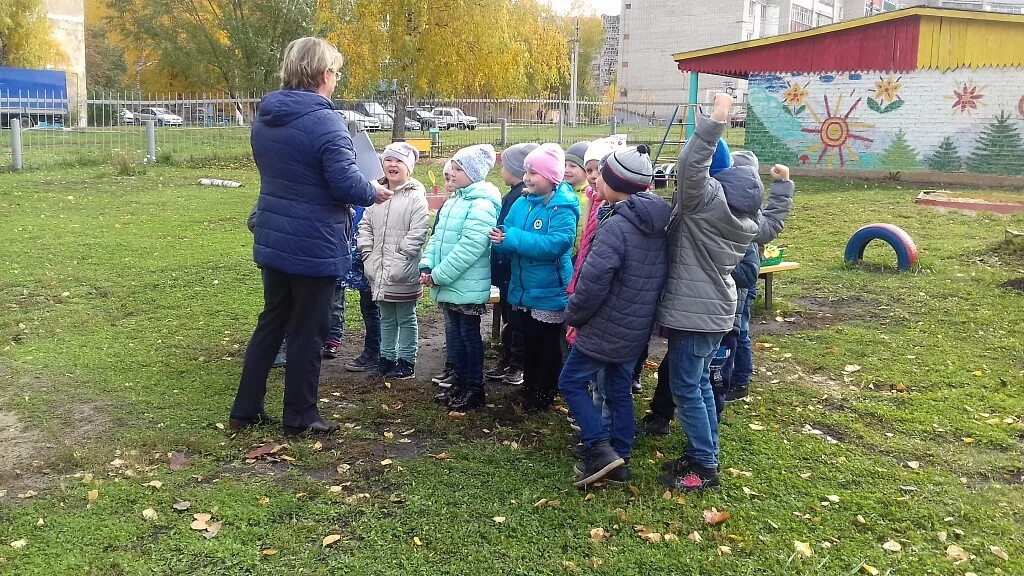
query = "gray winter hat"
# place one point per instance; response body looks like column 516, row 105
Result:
column 512, row 158
column 476, row 161
column 577, row 152
column 628, row 171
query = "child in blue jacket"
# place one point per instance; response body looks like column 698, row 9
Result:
column 539, row 233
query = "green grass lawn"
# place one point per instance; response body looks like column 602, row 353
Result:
column 127, row 303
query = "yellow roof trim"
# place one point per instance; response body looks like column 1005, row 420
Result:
column 883, row 17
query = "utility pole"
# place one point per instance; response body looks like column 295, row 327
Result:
column 574, row 75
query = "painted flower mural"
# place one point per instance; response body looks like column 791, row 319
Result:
column 794, row 98
column 835, row 133
column 887, row 95
column 966, row 97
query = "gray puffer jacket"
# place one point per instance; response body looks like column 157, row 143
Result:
column 780, row 201
column 390, row 240
column 618, row 287
column 707, row 239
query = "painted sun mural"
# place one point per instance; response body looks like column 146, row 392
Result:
column 835, row 132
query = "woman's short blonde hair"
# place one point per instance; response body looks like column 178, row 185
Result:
column 305, row 61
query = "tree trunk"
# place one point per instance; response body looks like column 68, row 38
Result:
column 398, row 129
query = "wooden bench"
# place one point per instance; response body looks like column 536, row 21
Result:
column 422, row 145
column 768, row 273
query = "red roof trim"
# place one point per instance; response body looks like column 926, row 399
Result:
column 885, row 46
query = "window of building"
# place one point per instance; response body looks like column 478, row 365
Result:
column 822, row 19
column 752, row 8
column 625, row 64
column 628, row 6
column 625, row 36
column 828, row 3
column 1006, row 8
column 800, row 18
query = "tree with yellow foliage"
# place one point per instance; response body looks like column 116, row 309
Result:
column 26, row 39
column 445, row 48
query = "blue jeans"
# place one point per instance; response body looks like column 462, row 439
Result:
column 399, row 330
column 574, row 383
column 689, row 380
column 743, row 359
column 337, row 331
column 465, row 347
column 599, row 400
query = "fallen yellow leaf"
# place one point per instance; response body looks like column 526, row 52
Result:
column 978, row 373
column 694, row 537
column 498, row 519
column 869, row 569
column 92, row 497
column 671, row 538
column 739, row 473
column 851, row 368
column 387, row 462
column 330, row 539
column 389, row 435
column 149, row 514
column 318, row 445
column 155, row 484
column 18, row 544
column 416, row 541
column 588, row 497
column 803, row 549
column 597, row 534
column 723, row 550
column 198, row 525
column 968, row 440
column 714, row 517
column 268, row 552
column 263, row 501
column 202, row 517
column 999, row 552
column 213, row 529
column 892, row 546
column 860, row 520
column 756, row 427
column 956, row 553
column 667, row 495
column 942, row 536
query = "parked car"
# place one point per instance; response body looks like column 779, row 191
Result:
column 739, row 119
column 126, row 117
column 162, row 116
column 377, row 112
column 425, row 119
column 412, row 125
column 456, row 118
column 365, row 123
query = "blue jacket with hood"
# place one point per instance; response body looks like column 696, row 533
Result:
column 308, row 177
column 540, row 237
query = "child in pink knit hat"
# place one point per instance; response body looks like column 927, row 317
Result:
column 548, row 161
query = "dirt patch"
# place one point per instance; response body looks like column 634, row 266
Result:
column 1015, row 284
column 19, row 446
column 813, row 313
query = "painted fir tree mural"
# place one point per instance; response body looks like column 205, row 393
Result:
column 999, row 148
column 900, row 155
column 946, row 157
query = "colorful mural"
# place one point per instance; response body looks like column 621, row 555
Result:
column 924, row 120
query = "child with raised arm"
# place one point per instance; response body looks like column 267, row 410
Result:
column 714, row 219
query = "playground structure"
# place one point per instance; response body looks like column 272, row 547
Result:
column 894, row 236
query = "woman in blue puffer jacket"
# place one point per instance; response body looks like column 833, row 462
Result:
column 308, row 179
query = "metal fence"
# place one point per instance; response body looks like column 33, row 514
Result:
column 206, row 128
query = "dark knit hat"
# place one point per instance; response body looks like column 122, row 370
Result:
column 576, row 152
column 513, row 157
column 628, row 171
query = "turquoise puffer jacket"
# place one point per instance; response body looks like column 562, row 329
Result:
column 540, row 238
column 458, row 255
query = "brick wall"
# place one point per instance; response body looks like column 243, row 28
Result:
column 926, row 120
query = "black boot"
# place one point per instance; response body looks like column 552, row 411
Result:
column 468, row 399
column 445, row 398
column 656, row 425
column 598, row 460
column 384, row 367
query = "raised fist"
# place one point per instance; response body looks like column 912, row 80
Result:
column 780, row 172
column 723, row 105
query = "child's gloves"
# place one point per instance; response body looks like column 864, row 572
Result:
column 723, row 105
column 780, row 172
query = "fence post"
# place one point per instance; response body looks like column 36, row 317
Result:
column 150, row 141
column 504, row 131
column 15, row 124
column 614, row 124
column 561, row 124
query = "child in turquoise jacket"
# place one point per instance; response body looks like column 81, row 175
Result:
column 457, row 266
column 539, row 232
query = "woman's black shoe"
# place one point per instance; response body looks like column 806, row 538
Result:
column 316, row 428
column 467, row 400
column 262, row 419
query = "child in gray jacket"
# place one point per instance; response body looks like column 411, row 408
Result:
column 714, row 220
